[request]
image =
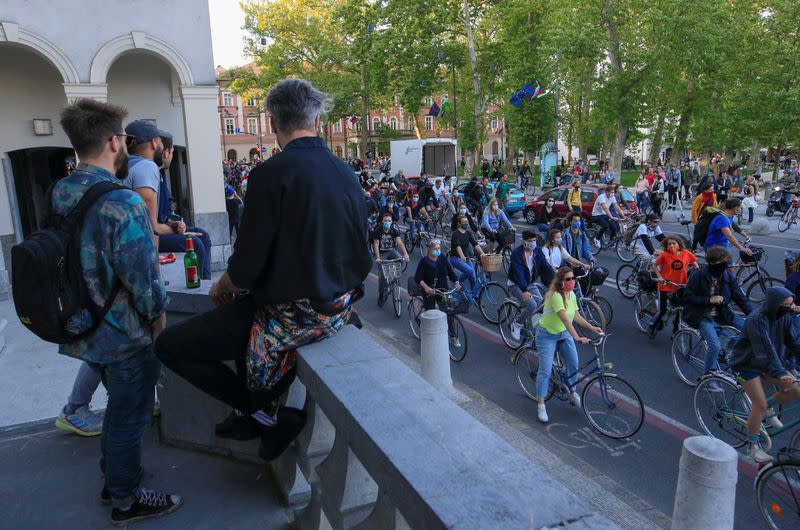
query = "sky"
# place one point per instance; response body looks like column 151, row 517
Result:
column 227, row 20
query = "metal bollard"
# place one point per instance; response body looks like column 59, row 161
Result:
column 706, row 493
column 435, row 350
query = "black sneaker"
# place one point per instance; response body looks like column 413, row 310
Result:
column 652, row 331
column 105, row 496
column 238, row 428
column 149, row 504
column 275, row 439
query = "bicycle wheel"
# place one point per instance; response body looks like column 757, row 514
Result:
column 625, row 252
column 415, row 309
column 645, row 309
column 595, row 247
column 786, row 220
column 396, row 300
column 593, row 315
column 612, row 406
column 422, row 243
column 507, row 314
column 506, row 252
column 794, row 441
column 458, row 338
column 606, row 308
column 757, row 291
column 490, row 297
column 721, row 408
column 778, row 495
column 727, row 338
column 526, row 365
column 627, row 281
column 688, row 355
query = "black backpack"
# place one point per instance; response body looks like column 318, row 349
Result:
column 703, row 224
column 50, row 293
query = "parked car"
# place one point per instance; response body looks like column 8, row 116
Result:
column 588, row 196
column 515, row 201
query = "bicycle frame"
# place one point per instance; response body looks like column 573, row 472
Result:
column 600, row 367
column 770, row 431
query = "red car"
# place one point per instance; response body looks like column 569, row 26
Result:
column 588, row 196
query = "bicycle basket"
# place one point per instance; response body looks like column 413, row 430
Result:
column 599, row 275
column 646, row 281
column 391, row 270
column 456, row 305
column 413, row 287
column 758, row 254
column 491, row 262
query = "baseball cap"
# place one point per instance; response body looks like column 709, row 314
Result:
column 144, row 131
column 228, row 191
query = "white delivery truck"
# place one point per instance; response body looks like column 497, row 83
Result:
column 432, row 156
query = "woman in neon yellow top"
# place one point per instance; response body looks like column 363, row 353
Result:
column 555, row 330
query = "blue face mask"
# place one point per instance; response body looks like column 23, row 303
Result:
column 531, row 245
column 436, row 253
column 387, row 225
column 576, row 225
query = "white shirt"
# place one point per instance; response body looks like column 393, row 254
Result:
column 597, row 209
column 555, row 256
column 644, row 230
column 439, row 191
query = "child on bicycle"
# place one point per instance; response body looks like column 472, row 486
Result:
column 758, row 357
column 672, row 266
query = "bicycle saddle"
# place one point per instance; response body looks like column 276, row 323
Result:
column 685, row 222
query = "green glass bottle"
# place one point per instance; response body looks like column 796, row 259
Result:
column 190, row 265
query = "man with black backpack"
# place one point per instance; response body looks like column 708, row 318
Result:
column 109, row 296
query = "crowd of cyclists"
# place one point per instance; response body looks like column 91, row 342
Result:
column 457, row 230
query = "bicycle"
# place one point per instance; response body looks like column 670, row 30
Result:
column 778, row 488
column 647, row 305
column 452, row 307
column 611, row 405
column 722, row 407
column 607, row 241
column 628, row 279
column 392, row 270
column 689, row 351
column 589, row 289
column 790, row 216
column 754, row 285
column 490, row 294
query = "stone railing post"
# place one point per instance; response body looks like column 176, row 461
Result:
column 435, row 350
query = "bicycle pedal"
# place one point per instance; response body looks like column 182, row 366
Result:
column 608, row 366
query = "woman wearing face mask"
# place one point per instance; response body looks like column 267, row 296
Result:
column 556, row 255
column 463, row 246
column 672, row 265
column 495, row 219
column 463, row 211
column 707, row 301
column 546, row 215
column 758, row 357
column 574, row 239
column 556, row 330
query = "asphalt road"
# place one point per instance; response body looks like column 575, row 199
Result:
column 647, row 463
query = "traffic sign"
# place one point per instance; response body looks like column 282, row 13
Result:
column 263, row 149
column 238, row 130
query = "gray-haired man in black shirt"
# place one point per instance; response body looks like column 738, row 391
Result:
column 301, row 252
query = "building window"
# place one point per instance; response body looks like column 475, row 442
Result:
column 252, row 102
column 495, row 149
column 393, row 123
column 428, row 100
column 337, row 126
column 252, row 126
column 227, row 99
column 428, row 123
column 229, row 126
column 494, row 124
column 375, row 123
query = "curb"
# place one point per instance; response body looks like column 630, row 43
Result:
column 603, row 494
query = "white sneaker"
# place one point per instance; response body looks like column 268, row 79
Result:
column 515, row 331
column 454, row 342
column 773, row 420
column 758, row 454
column 541, row 413
column 575, row 399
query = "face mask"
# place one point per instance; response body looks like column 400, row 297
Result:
column 415, row 199
column 387, row 225
column 576, row 225
column 436, row 253
column 674, row 248
column 557, row 242
column 783, row 310
column 390, row 204
column 462, row 211
column 531, row 245
column 495, row 207
column 717, row 269
column 569, row 285
column 464, row 225
column 550, row 203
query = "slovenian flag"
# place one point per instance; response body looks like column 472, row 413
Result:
column 444, row 109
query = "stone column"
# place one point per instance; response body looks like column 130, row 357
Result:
column 201, row 122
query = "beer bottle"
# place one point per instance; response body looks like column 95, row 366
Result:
column 190, row 265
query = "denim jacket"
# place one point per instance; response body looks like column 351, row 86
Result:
column 116, row 246
column 584, row 253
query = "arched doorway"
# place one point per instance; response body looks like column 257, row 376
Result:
column 232, row 155
column 495, row 149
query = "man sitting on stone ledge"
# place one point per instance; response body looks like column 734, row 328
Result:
column 297, row 267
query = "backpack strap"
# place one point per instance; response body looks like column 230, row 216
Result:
column 75, row 216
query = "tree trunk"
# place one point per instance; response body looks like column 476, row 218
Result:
column 469, row 163
column 364, row 137
column 682, row 132
column 583, row 132
column 615, row 59
column 480, row 102
column 417, row 130
column 604, row 148
column 755, row 154
column 569, row 142
column 618, row 148
column 658, row 138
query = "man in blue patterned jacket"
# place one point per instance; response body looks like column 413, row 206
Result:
column 118, row 258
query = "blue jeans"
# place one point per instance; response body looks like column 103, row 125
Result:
column 202, row 246
column 605, row 224
column 412, row 226
column 467, row 273
column 546, row 344
column 130, row 385
column 529, row 308
column 708, row 331
column 543, row 228
column 84, row 387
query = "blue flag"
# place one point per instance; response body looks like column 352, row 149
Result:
column 434, row 110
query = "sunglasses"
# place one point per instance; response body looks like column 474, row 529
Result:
column 569, row 278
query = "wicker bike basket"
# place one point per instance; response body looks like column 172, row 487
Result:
column 391, row 269
column 491, row 262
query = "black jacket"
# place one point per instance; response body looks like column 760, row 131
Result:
column 303, row 232
column 698, row 293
